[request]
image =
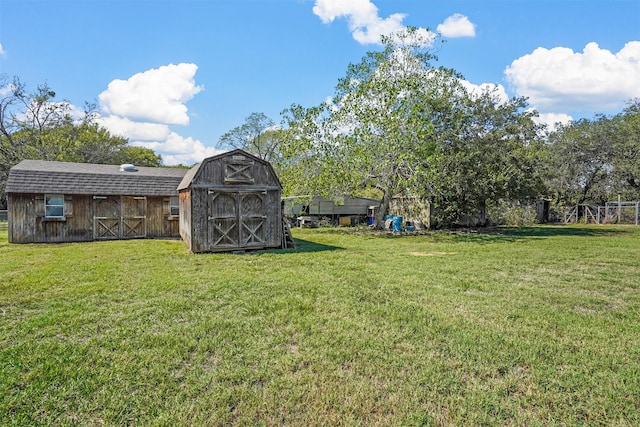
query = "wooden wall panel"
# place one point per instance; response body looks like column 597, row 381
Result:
column 80, row 221
column 185, row 218
column 27, row 223
column 21, row 216
column 199, row 220
column 155, row 216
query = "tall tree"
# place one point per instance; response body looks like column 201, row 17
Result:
column 258, row 135
column 626, row 150
column 497, row 155
column 581, row 160
column 380, row 132
column 138, row 156
column 401, row 126
column 300, row 163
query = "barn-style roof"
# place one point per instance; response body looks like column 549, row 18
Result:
column 188, row 177
column 192, row 174
column 39, row 176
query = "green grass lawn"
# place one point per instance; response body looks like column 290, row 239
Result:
column 521, row 326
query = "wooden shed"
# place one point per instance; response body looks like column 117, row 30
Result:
column 231, row 202
column 71, row 202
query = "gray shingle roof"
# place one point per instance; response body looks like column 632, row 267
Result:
column 38, row 176
column 188, row 177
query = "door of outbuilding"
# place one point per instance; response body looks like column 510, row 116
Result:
column 119, row 217
column 106, row 217
column 236, row 219
column 252, row 219
column 134, row 218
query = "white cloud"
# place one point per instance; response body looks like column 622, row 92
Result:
column 6, row 90
column 134, row 130
column 157, row 95
column 560, row 79
column 143, row 107
column 3, row 53
column 176, row 149
column 496, row 89
column 359, row 12
column 552, row 119
column 457, row 25
column 499, row 92
column 365, row 23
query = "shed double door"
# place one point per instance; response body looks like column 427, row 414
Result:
column 119, row 217
column 236, row 219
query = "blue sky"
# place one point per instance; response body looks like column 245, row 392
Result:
column 175, row 75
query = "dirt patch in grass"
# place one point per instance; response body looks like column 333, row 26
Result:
column 432, row 253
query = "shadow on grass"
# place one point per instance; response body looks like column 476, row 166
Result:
column 307, row 246
column 510, row 234
column 493, row 234
column 303, row 246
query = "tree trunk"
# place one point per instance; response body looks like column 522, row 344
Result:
column 384, row 209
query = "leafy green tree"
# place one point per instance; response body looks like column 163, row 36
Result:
column 381, row 131
column 401, row 126
column 626, row 150
column 300, row 162
column 498, row 155
column 258, row 135
column 25, row 117
column 138, row 156
column 581, row 155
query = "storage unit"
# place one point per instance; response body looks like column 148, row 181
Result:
column 231, row 202
column 71, row 202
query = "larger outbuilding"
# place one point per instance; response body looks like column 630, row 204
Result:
column 74, row 202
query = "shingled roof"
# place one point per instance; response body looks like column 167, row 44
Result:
column 39, row 176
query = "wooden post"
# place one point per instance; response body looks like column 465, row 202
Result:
column 619, row 210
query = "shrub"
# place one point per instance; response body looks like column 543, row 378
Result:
column 512, row 214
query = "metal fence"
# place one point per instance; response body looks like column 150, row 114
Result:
column 612, row 213
column 3, row 220
column 622, row 212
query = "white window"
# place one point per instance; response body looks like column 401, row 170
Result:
column 54, row 205
column 175, row 206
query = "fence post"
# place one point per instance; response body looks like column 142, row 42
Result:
column 619, row 209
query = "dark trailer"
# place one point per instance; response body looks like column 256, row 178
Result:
column 72, row 202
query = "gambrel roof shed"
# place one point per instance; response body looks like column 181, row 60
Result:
column 231, row 202
column 233, row 167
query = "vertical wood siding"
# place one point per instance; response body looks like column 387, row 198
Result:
column 186, row 229
column 28, row 224
column 232, row 203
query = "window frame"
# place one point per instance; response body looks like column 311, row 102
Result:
column 57, row 206
column 174, row 206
